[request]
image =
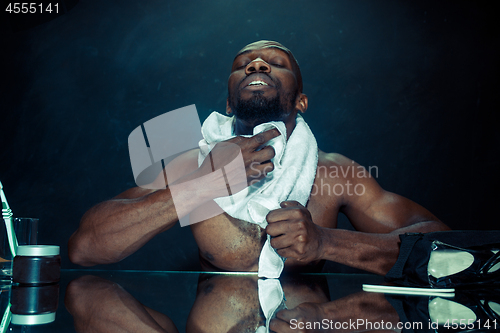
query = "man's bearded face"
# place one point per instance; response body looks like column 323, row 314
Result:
column 263, row 84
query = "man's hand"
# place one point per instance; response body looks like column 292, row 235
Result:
column 294, row 233
column 241, row 160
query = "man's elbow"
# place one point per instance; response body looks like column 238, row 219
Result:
column 431, row 226
column 440, row 226
column 78, row 251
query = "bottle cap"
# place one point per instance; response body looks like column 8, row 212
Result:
column 38, row 250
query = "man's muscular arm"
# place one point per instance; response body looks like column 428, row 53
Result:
column 378, row 216
column 114, row 229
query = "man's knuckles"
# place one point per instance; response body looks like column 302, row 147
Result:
column 266, row 135
column 298, row 214
column 292, row 204
column 260, row 138
column 301, row 240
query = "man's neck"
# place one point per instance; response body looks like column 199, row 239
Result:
column 245, row 128
column 242, row 127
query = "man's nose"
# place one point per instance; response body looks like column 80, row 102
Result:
column 257, row 65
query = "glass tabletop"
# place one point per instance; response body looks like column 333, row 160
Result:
column 166, row 301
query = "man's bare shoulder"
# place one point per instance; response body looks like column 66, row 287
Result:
column 333, row 159
column 337, row 168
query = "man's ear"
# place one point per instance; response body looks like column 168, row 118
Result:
column 228, row 108
column 301, row 103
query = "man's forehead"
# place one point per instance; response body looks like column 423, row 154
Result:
column 263, row 44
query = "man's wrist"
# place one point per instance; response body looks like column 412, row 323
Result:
column 326, row 248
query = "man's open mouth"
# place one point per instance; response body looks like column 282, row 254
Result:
column 257, row 83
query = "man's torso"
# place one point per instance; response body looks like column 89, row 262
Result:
column 234, row 245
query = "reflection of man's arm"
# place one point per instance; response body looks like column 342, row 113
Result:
column 99, row 305
column 370, row 307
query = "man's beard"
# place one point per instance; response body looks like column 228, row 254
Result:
column 259, row 109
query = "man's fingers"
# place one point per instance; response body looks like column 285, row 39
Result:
column 287, row 253
column 261, row 138
column 279, row 326
column 265, row 154
column 287, row 314
column 281, row 242
column 277, row 215
column 289, row 211
column 278, row 228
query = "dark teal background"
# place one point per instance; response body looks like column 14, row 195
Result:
column 409, row 87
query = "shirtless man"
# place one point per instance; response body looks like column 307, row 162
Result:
column 306, row 236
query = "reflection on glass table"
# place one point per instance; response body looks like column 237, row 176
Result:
column 131, row 301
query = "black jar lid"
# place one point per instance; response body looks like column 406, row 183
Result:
column 37, row 250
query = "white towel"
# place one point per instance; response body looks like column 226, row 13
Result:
column 271, row 300
column 294, row 171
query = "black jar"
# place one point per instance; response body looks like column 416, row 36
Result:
column 36, row 265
